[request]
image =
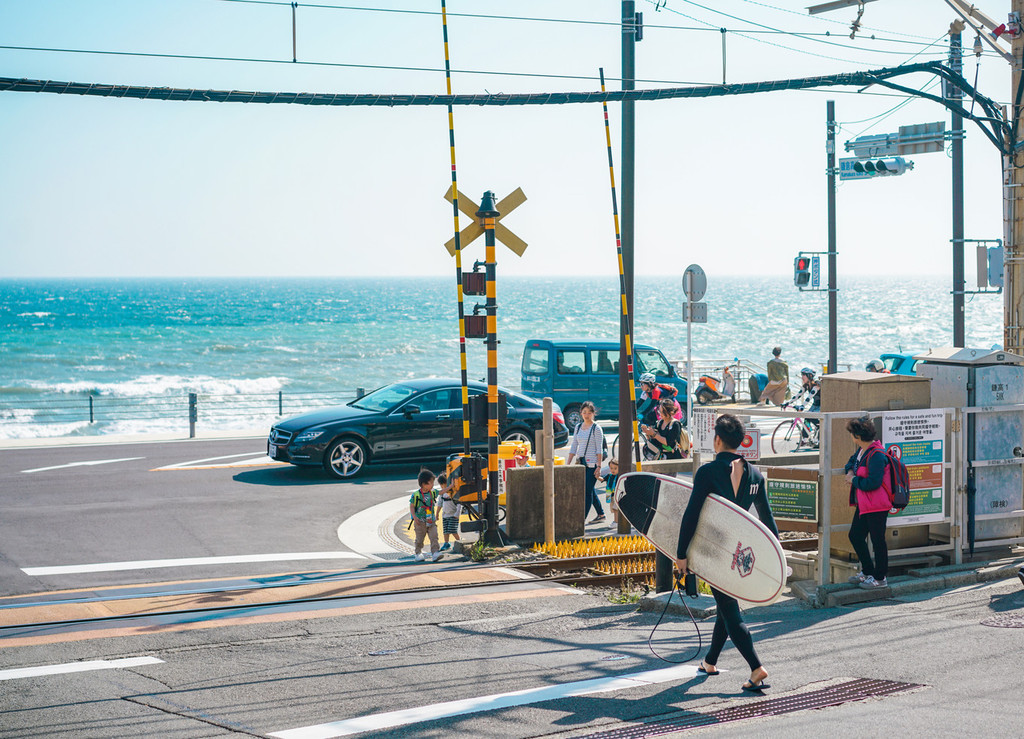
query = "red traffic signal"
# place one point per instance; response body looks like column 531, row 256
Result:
column 802, row 271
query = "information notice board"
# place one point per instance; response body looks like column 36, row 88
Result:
column 918, row 439
column 793, row 495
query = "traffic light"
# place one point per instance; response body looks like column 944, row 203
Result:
column 802, row 271
column 882, row 167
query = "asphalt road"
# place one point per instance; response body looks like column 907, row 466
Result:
column 260, row 674
column 73, row 505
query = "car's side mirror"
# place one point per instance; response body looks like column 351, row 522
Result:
column 409, row 410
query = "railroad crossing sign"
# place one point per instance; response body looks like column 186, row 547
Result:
column 470, row 207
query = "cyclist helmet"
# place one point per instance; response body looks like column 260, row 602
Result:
column 648, row 378
column 875, row 365
column 808, row 371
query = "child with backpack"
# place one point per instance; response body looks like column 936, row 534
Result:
column 422, row 511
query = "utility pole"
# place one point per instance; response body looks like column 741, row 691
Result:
column 833, row 288
column 1013, row 177
column 628, row 170
column 957, row 124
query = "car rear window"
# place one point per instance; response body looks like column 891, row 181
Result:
column 384, row 399
column 535, row 361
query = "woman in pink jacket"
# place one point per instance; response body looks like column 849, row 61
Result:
column 869, row 494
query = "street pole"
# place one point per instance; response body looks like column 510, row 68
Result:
column 957, row 124
column 489, row 213
column 627, row 210
column 830, row 148
column 1013, row 237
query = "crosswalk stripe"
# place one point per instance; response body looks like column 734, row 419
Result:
column 149, row 564
column 99, row 664
column 377, row 721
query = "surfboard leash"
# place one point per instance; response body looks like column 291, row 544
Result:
column 677, row 587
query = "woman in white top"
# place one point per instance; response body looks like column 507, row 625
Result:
column 587, row 443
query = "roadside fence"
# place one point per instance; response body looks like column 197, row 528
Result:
column 90, row 410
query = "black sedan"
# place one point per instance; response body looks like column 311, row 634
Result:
column 411, row 421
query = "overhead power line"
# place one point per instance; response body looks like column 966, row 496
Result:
column 991, row 123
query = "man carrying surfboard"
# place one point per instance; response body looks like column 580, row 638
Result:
column 733, row 478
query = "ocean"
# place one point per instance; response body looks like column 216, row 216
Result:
column 139, row 346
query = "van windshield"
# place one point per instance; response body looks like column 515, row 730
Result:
column 535, row 361
column 650, row 360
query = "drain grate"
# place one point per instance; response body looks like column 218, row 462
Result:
column 854, row 690
column 1006, row 621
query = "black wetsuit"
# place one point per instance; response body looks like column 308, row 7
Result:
column 716, row 477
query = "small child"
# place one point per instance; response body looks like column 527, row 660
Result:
column 611, row 478
column 449, row 513
column 422, row 506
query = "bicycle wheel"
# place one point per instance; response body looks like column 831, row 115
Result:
column 785, row 438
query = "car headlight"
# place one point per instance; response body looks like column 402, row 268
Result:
column 307, row 436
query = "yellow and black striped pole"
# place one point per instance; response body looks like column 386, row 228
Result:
column 488, row 213
column 622, row 288
column 458, row 240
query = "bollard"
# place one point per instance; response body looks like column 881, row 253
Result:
column 549, row 473
column 193, row 414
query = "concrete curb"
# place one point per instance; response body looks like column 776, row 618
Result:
column 915, row 581
column 701, row 607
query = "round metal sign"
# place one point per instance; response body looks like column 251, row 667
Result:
column 696, row 286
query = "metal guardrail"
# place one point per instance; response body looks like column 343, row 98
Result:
column 99, row 409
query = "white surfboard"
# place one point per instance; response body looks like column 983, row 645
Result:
column 731, row 550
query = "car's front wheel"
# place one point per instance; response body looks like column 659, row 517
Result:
column 345, row 458
column 519, row 436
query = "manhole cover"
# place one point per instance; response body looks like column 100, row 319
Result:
column 1006, row 621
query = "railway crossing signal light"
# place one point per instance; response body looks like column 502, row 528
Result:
column 802, row 271
column 887, row 167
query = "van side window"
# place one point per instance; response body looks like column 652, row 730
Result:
column 603, row 361
column 571, row 361
column 535, row 361
column 650, row 360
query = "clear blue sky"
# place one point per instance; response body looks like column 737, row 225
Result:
column 105, row 187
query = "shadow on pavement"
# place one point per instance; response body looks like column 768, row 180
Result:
column 306, row 476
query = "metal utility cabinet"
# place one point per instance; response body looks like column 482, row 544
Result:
column 978, row 380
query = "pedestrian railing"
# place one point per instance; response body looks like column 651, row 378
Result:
column 195, row 409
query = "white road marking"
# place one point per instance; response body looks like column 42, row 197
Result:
column 187, row 562
column 360, row 532
column 258, row 460
column 99, row 664
column 377, row 721
column 82, row 464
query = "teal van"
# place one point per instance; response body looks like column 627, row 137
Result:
column 570, row 371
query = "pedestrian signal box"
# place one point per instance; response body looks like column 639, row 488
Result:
column 802, row 271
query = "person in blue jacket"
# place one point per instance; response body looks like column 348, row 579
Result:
column 733, row 478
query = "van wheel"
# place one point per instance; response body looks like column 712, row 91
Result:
column 573, row 417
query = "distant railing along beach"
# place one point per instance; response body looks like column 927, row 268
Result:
column 82, row 413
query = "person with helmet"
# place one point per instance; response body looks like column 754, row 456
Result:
column 877, row 365
column 650, row 396
column 809, row 400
